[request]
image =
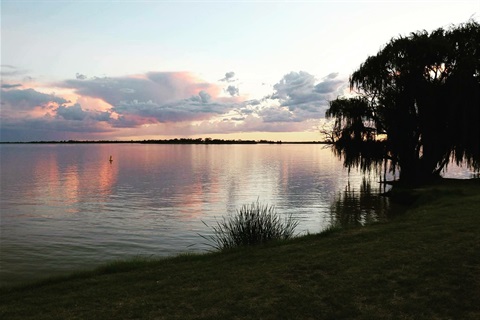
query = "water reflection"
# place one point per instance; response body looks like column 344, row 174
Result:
column 358, row 207
column 67, row 207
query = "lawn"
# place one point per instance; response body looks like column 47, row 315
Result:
column 423, row 264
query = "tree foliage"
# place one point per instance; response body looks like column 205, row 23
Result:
column 417, row 105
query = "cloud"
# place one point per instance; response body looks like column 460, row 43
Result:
column 197, row 107
column 10, row 86
column 77, row 113
column 278, row 114
column 236, row 119
column 329, row 85
column 229, row 77
column 253, row 102
column 303, row 97
column 202, row 97
column 154, row 97
column 74, row 112
column 28, row 115
column 28, row 99
column 249, row 123
column 293, row 85
column 49, row 127
column 296, row 104
column 159, row 87
column 332, row 75
column 233, row 91
column 7, row 70
column 174, row 103
column 80, row 76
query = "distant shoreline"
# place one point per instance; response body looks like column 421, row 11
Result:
column 168, row 141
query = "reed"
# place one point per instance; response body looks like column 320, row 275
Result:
column 253, row 224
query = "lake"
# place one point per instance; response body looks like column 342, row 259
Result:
column 66, row 207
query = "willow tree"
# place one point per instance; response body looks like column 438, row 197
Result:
column 416, row 106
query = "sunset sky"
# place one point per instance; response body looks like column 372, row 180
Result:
column 96, row 70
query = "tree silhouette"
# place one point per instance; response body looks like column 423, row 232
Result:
column 417, row 106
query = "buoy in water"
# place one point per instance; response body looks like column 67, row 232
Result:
column 111, row 159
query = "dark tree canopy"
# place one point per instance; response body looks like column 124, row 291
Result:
column 417, row 108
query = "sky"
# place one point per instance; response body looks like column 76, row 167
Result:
column 135, row 70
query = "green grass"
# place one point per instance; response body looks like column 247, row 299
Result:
column 423, row 265
column 253, row 224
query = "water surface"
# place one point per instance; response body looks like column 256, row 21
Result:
column 66, row 207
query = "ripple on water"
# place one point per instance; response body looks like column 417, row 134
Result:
column 65, row 207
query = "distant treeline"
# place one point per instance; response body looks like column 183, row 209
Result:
column 169, row 141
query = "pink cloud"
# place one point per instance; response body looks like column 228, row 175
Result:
column 164, row 103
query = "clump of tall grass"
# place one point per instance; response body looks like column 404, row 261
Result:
column 251, row 225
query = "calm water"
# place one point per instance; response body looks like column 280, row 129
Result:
column 66, row 207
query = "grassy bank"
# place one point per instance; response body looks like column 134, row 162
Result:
column 424, row 264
